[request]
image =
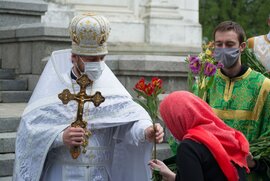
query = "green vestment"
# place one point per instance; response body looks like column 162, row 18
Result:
column 243, row 103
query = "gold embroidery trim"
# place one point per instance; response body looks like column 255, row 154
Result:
column 228, row 90
column 247, row 115
column 266, row 39
column 230, row 83
column 233, row 114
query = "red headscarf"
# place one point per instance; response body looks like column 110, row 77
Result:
column 188, row 116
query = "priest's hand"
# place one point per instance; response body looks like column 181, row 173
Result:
column 150, row 133
column 167, row 174
column 73, row 136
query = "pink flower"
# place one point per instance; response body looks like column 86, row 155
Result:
column 220, row 65
column 209, row 69
column 195, row 64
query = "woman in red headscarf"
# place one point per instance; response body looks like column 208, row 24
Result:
column 209, row 150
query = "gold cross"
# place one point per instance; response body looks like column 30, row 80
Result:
column 81, row 97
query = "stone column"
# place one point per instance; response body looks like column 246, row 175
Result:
column 14, row 14
column 17, row 12
column 127, row 26
column 160, row 27
column 166, row 24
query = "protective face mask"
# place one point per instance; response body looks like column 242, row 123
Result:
column 93, row 69
column 227, row 56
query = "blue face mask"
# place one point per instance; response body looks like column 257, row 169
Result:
column 227, row 56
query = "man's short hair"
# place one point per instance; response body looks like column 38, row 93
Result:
column 231, row 26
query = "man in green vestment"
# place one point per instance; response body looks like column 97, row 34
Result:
column 239, row 95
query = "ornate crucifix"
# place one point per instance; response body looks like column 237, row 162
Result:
column 81, row 97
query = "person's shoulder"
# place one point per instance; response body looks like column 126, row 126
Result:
column 191, row 145
column 68, row 50
column 259, row 75
column 194, row 148
column 262, row 81
column 266, row 83
column 251, row 42
column 189, row 142
column 267, row 80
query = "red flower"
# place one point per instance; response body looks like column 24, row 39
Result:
column 141, row 85
column 148, row 98
column 156, row 82
column 149, row 89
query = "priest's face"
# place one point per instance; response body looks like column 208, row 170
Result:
column 80, row 61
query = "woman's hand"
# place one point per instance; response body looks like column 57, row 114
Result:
column 167, row 174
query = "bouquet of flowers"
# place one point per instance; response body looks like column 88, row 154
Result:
column 148, row 99
column 202, row 69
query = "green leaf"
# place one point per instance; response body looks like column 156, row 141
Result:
column 140, row 93
column 210, row 82
column 190, row 80
column 156, row 176
column 173, row 145
column 250, row 59
column 144, row 105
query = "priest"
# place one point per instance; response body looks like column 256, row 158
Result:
column 119, row 146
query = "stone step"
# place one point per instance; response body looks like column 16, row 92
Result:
column 5, row 178
column 13, row 85
column 15, row 96
column 7, row 140
column 7, row 74
column 9, row 124
column 6, row 164
column 10, row 114
column 163, row 151
column 7, row 160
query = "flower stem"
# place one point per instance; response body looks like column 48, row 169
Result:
column 155, row 145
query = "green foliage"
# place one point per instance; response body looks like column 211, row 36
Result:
column 156, row 176
column 173, row 144
column 260, row 149
column 249, row 58
column 252, row 15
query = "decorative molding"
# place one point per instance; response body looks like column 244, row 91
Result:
column 157, row 9
column 106, row 7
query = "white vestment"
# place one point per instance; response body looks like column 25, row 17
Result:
column 117, row 150
column 262, row 49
